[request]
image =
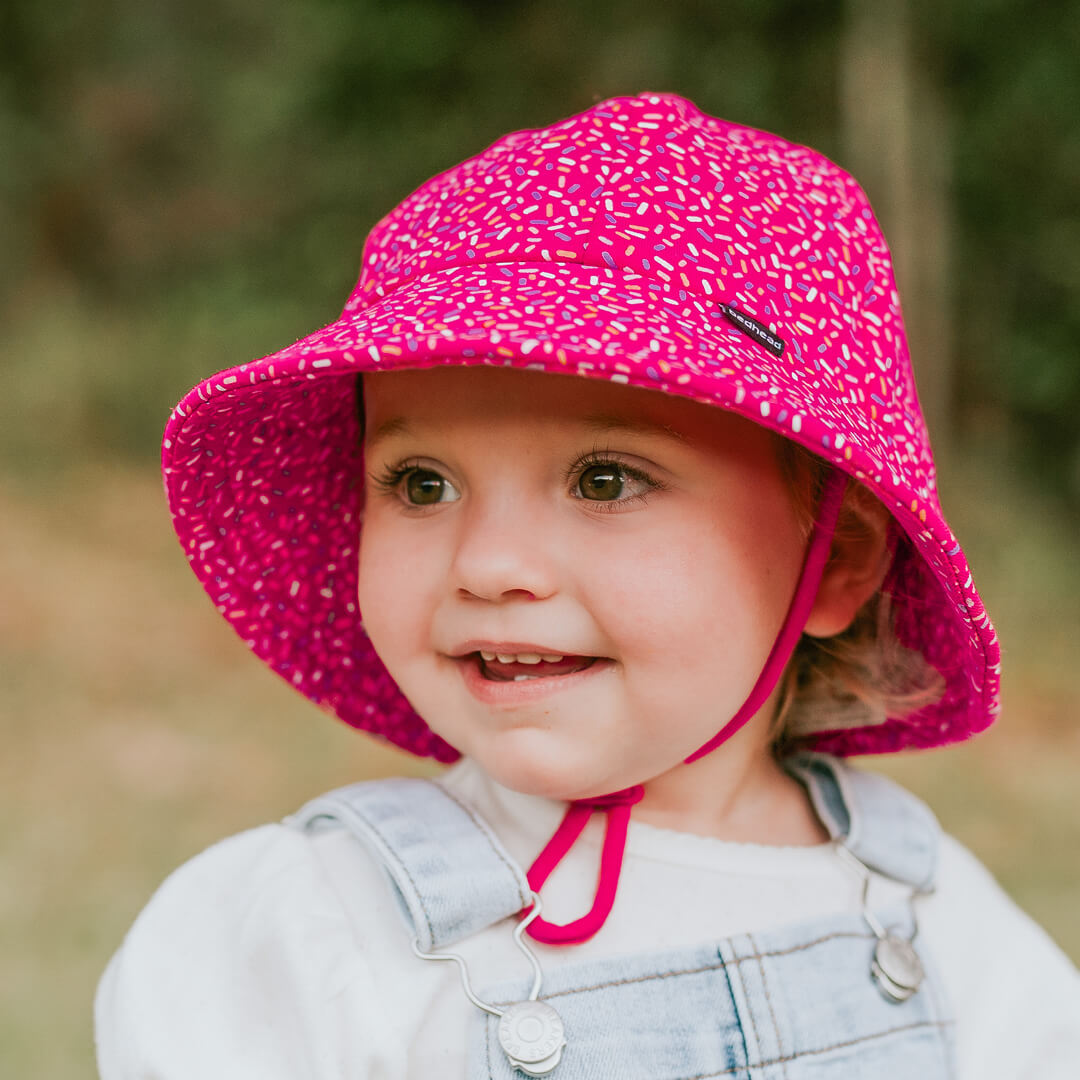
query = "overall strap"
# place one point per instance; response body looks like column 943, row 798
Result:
column 450, row 873
column 885, row 827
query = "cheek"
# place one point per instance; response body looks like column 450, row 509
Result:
column 371, row 589
column 386, row 588
column 657, row 598
column 712, row 601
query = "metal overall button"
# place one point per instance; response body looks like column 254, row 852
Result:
column 895, row 967
column 532, row 1036
column 531, row 1032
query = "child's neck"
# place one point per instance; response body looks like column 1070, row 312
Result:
column 738, row 793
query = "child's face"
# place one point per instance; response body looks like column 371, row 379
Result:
column 651, row 538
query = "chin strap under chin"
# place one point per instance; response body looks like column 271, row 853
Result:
column 618, row 803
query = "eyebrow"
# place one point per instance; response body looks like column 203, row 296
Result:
column 605, row 423
column 597, row 423
column 396, row 425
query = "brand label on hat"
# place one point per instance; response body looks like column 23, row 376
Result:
column 750, row 326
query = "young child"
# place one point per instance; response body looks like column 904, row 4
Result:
column 611, row 486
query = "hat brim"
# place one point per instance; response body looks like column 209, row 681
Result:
column 264, row 471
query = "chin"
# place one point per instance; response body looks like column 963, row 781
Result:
column 527, row 775
column 543, row 771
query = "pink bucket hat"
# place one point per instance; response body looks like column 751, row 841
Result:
column 641, row 242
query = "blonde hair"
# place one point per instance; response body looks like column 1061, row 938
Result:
column 864, row 675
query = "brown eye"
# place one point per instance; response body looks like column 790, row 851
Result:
column 424, row 487
column 601, row 482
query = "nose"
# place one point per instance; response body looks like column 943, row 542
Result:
column 505, row 551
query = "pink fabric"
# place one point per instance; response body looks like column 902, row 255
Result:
column 600, row 247
column 617, row 805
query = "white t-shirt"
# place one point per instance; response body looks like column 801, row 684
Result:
column 277, row 954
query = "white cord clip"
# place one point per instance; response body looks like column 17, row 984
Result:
column 531, row 1032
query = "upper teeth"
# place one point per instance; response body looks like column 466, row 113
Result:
column 521, row 658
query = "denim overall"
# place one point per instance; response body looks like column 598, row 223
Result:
column 795, row 1003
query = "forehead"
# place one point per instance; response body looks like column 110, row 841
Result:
column 487, row 398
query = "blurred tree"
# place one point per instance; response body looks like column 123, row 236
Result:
column 1013, row 82
column 896, row 142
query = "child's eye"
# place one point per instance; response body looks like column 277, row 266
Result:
column 417, row 485
column 602, row 482
column 611, row 482
column 423, row 487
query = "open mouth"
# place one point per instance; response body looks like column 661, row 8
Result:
column 496, row 670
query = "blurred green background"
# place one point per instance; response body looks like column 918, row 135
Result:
column 187, row 184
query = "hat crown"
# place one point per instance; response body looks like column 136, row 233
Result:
column 708, row 213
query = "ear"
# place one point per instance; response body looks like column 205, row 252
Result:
column 858, row 561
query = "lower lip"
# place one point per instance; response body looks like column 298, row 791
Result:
column 492, row 692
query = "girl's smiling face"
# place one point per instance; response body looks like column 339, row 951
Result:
column 649, row 542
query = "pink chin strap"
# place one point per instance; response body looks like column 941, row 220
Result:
column 618, row 804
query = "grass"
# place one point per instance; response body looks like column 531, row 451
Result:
column 137, row 730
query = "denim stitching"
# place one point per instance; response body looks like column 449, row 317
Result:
column 768, row 1001
column 734, row 1001
column 774, row 1061
column 419, row 895
column 751, row 1010
column 484, row 830
column 824, row 1049
column 707, row 967
column 487, row 1047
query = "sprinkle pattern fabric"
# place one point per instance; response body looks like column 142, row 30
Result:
column 604, row 246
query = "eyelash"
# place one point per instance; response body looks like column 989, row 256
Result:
column 390, row 478
column 605, row 457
